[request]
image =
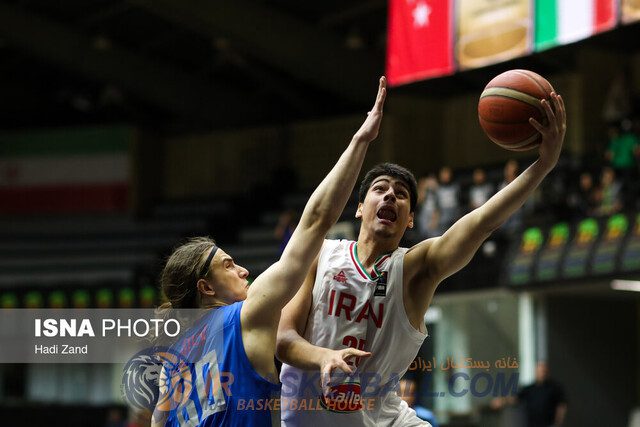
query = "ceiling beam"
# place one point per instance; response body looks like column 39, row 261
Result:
column 156, row 83
column 308, row 53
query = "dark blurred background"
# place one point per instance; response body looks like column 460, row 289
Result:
column 127, row 126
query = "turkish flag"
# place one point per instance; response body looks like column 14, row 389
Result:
column 420, row 40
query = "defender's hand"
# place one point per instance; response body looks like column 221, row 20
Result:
column 369, row 129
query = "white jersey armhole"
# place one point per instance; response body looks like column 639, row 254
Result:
column 417, row 334
column 325, row 252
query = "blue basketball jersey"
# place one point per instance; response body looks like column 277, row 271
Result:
column 215, row 384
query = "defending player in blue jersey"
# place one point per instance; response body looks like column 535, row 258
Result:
column 224, row 373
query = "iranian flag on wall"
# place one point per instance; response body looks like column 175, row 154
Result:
column 64, row 171
column 565, row 21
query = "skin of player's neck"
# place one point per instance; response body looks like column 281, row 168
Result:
column 371, row 247
column 207, row 302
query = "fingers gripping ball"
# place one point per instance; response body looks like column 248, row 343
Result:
column 507, row 103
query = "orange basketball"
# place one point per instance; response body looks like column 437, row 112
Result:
column 506, row 104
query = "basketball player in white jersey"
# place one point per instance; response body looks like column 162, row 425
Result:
column 372, row 295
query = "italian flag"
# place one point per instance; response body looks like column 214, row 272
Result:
column 65, row 171
column 565, row 21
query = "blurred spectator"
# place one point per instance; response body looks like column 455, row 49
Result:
column 581, row 200
column 608, row 195
column 544, row 401
column 618, row 103
column 481, row 190
column 427, row 215
column 285, row 227
column 623, row 151
column 408, row 391
column 448, row 194
column 510, row 172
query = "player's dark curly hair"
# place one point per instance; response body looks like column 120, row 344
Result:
column 394, row 171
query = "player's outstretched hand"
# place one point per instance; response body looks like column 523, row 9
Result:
column 337, row 359
column 553, row 131
column 369, row 129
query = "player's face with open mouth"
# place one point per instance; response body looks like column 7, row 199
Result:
column 386, row 207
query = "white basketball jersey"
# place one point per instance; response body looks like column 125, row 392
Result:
column 355, row 308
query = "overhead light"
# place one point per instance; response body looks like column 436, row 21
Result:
column 626, row 285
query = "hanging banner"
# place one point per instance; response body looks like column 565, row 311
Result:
column 420, row 41
column 491, row 31
column 630, row 11
column 566, row 21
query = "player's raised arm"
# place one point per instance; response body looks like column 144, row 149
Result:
column 430, row 261
column 278, row 284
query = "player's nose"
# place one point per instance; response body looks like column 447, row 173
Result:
column 390, row 195
column 243, row 272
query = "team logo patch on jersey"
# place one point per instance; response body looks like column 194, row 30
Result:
column 345, row 397
column 340, row 277
column 381, row 285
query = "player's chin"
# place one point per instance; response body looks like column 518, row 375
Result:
column 243, row 294
column 385, row 231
